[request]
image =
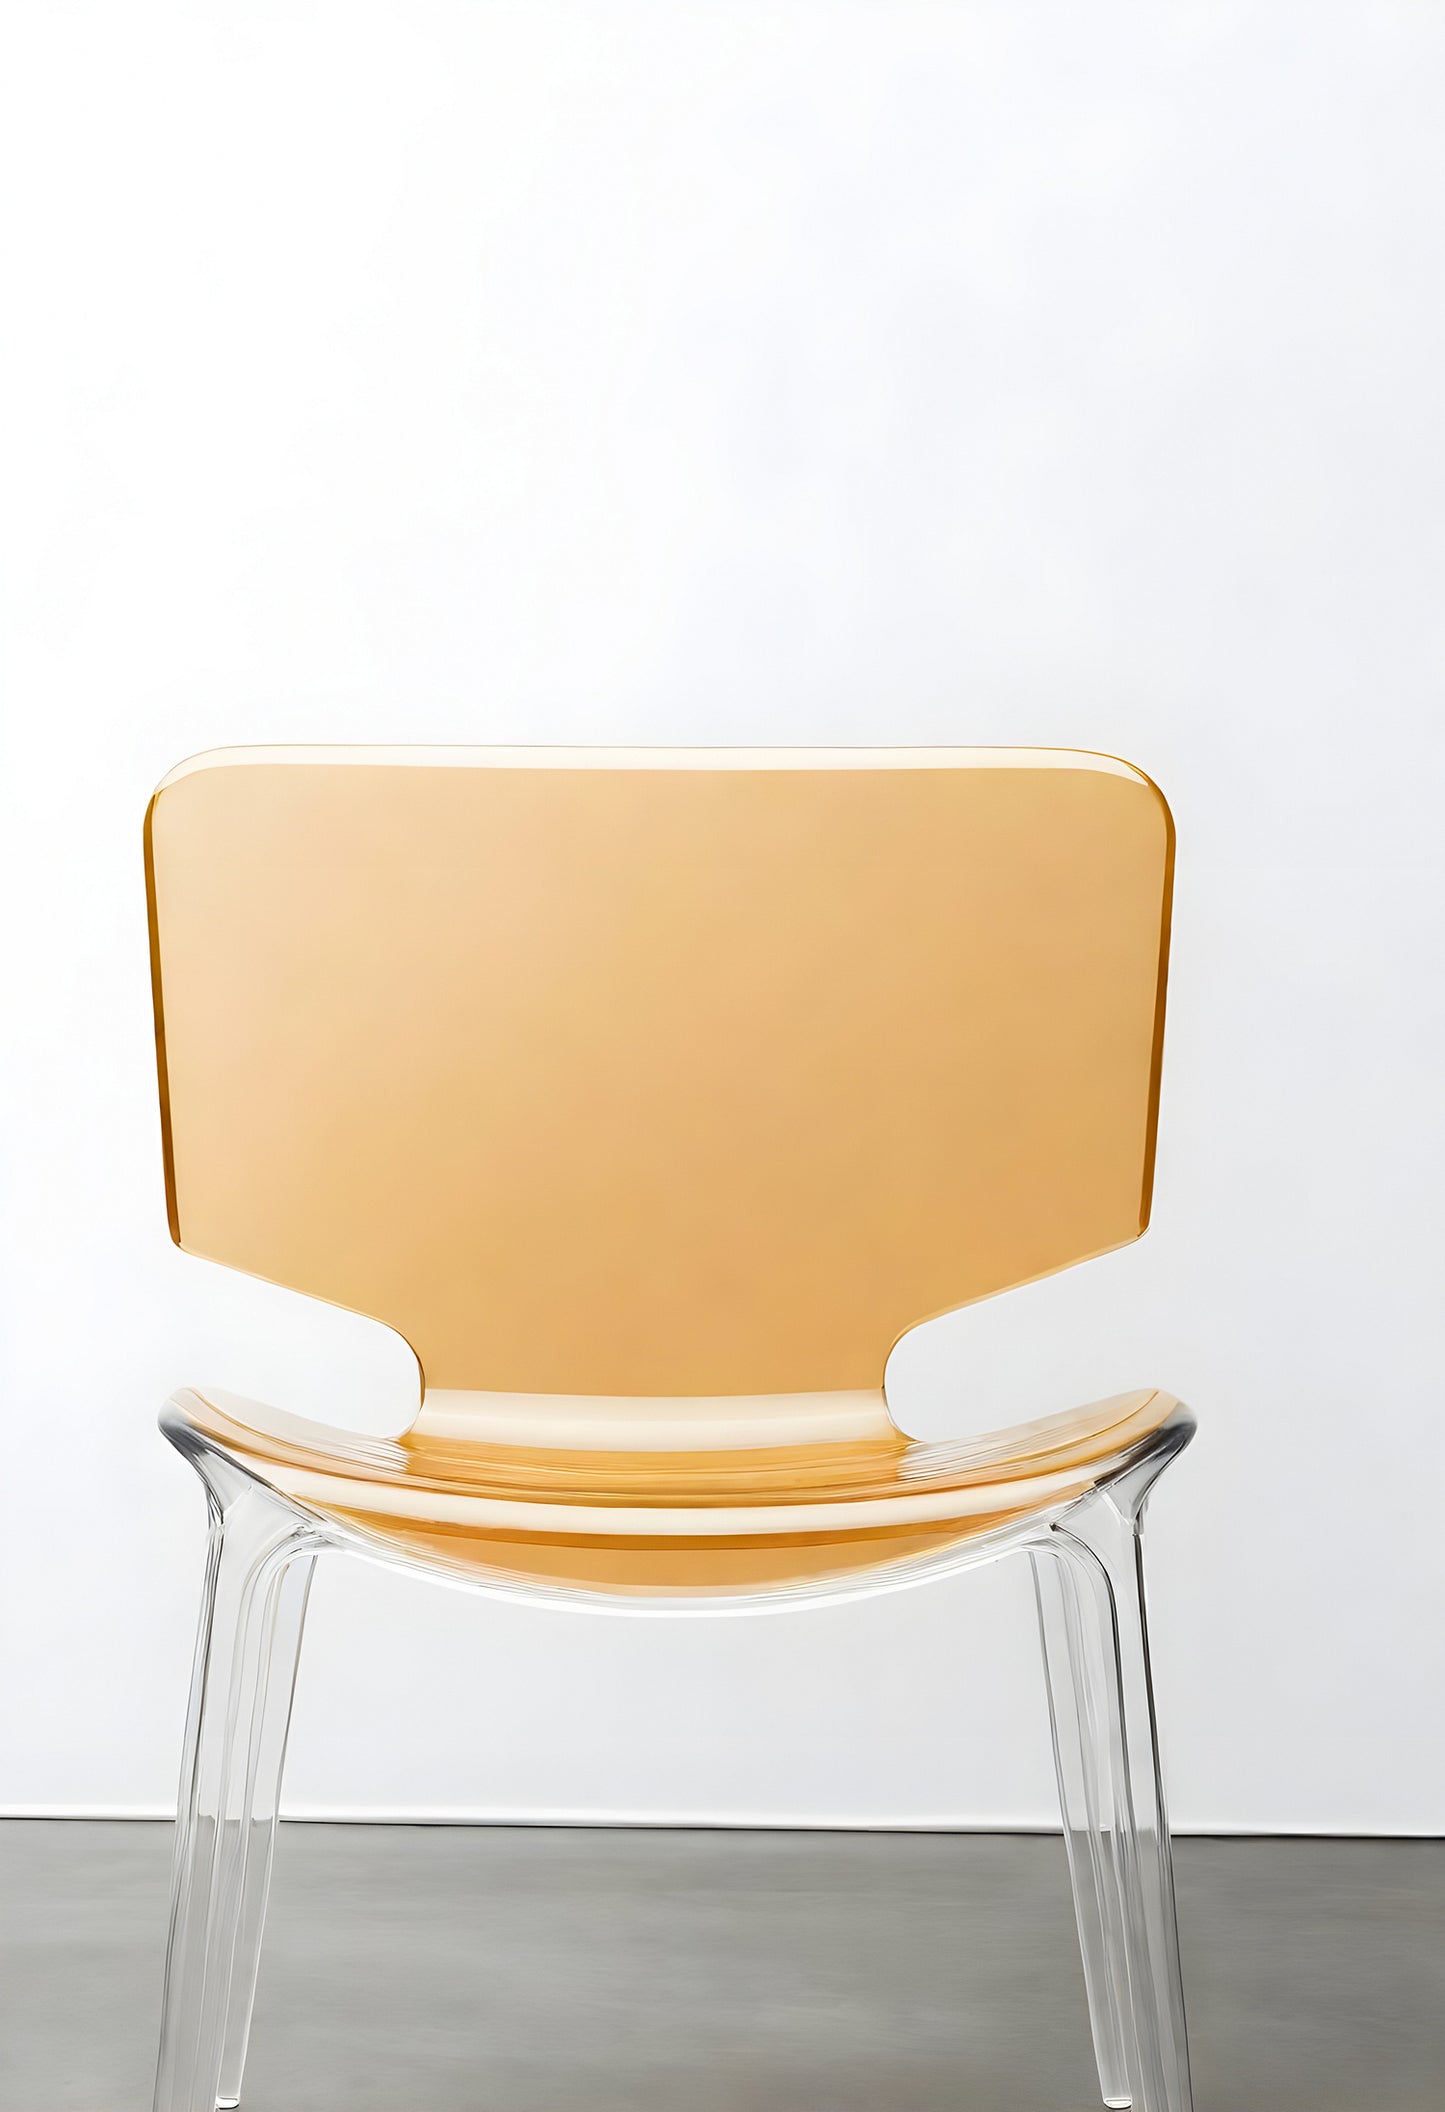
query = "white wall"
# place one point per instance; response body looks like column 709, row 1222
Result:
column 742, row 373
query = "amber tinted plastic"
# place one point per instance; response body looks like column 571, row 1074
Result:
column 674, row 1523
column 691, row 1075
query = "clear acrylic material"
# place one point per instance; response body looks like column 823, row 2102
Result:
column 356, row 992
column 257, row 1575
column 1089, row 1579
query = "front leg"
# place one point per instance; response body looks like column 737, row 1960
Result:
column 258, row 1569
column 1091, row 1598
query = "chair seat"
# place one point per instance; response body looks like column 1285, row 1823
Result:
column 638, row 1523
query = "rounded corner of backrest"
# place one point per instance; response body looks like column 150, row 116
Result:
column 1165, row 810
column 1101, row 763
column 198, row 765
column 1165, row 813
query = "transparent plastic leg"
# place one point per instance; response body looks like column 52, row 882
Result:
column 1091, row 1611
column 257, row 1575
column 1073, row 1668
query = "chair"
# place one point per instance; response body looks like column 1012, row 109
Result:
column 651, row 1096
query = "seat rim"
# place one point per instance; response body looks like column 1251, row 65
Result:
column 361, row 1530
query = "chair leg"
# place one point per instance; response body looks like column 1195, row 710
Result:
column 259, row 1568
column 276, row 1683
column 1073, row 1684
column 1091, row 1603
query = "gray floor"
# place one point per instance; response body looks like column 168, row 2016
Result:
column 470, row 1969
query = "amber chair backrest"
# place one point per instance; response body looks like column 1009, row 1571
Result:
column 674, row 1073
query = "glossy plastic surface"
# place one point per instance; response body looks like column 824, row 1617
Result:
column 669, row 1525
column 681, row 1076
column 651, row 1097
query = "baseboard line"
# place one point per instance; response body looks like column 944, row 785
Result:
column 719, row 1822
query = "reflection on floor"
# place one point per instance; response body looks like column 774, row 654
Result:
column 486, row 1969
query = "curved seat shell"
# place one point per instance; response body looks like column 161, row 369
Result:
column 636, row 1523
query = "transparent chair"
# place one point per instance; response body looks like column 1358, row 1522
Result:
column 651, row 1097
